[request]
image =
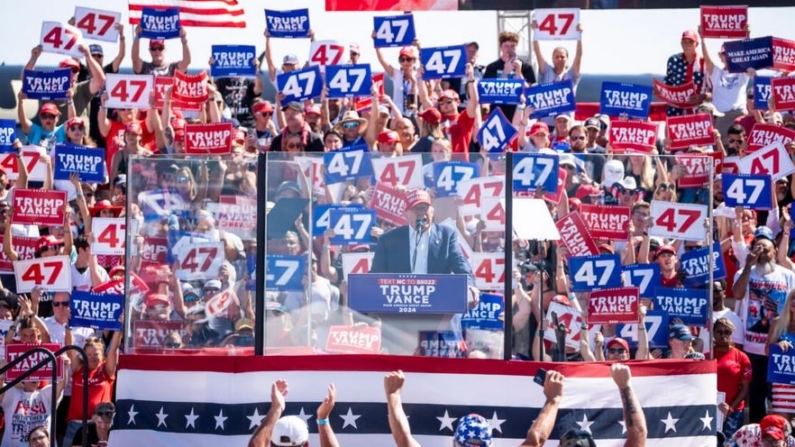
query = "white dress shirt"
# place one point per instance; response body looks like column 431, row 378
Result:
column 420, row 266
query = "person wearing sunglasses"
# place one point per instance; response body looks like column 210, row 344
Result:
column 295, row 120
column 76, row 133
column 404, row 76
column 157, row 49
column 593, row 163
column 734, row 374
column 352, row 128
column 47, row 128
column 98, row 426
column 239, row 93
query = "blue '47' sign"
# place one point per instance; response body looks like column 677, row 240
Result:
column 300, row 84
column 347, row 164
column 589, row 273
column 533, row 171
column 344, row 81
column 497, row 132
column 395, row 31
column 444, row 62
column 284, row 273
column 448, row 174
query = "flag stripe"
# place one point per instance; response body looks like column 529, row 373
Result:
column 206, row 13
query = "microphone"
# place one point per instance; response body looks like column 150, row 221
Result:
column 420, row 223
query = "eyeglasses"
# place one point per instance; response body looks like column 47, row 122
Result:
column 80, row 128
column 406, row 59
column 171, row 345
column 47, row 116
column 618, row 351
column 295, row 146
column 578, row 138
column 89, row 194
column 97, row 56
column 666, row 187
column 60, row 304
column 157, row 49
column 105, row 414
column 350, row 124
column 717, row 290
column 749, row 97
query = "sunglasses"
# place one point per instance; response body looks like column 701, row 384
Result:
column 157, row 48
column 621, row 190
column 48, row 248
column 211, row 290
column 616, row 351
column 350, row 124
column 60, row 304
column 105, row 414
column 666, row 187
column 446, row 102
column 265, row 114
column 578, row 138
column 406, row 59
column 47, row 116
column 568, row 167
column 182, row 180
column 171, row 345
column 75, row 128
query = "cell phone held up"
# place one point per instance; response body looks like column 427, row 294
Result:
column 540, row 377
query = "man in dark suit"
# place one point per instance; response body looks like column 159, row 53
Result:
column 421, row 247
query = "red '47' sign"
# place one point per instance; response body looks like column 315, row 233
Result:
column 37, row 207
column 772, row 160
column 678, row 220
column 50, row 274
column 111, row 234
column 15, row 350
column 30, row 157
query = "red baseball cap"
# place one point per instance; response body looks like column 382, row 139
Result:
column 431, row 116
column 157, row 43
column 690, row 34
column 177, row 123
column 240, row 137
column 417, row 197
column 263, row 107
column 539, row 127
column 50, row 108
column 665, row 249
column 47, row 241
column 75, row 120
column 313, row 109
column 586, row 190
column 618, row 341
column 449, row 94
column 116, row 270
column 179, row 135
column 153, row 299
column 388, row 136
column 408, row 51
column 773, row 425
column 70, row 63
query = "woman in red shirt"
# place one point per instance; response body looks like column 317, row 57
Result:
column 101, row 375
column 734, row 376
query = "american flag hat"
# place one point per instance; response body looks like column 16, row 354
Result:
column 473, row 431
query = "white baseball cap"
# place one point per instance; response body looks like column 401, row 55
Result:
column 290, row 431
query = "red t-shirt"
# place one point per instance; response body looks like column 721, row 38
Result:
column 672, row 281
column 460, row 133
column 100, row 389
column 733, row 368
column 117, row 129
column 747, row 121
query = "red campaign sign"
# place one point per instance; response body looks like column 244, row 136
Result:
column 690, row 130
column 731, row 165
column 237, row 213
column 190, row 88
column 606, row 221
column 783, row 55
column 152, row 333
column 161, row 84
column 783, row 92
column 138, row 283
column 38, row 207
column 610, row 306
column 363, row 103
column 389, row 204
column 635, row 136
column 717, row 162
column 555, row 197
column 764, row 134
column 696, row 170
column 17, row 349
column 25, row 248
column 208, row 139
column 354, row 340
column 575, row 235
column 675, row 95
column 113, row 286
column 724, row 22
column 154, row 249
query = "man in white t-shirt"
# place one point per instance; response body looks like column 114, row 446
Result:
column 86, row 272
column 760, row 289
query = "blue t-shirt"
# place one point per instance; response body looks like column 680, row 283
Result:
column 37, row 134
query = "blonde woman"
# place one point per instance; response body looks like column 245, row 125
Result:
column 441, row 150
column 782, row 332
column 639, row 167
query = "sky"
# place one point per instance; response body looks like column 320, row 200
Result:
column 615, row 42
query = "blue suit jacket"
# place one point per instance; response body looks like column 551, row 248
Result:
column 444, row 254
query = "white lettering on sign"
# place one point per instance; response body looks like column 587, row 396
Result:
column 574, row 239
column 627, row 100
column 688, row 131
column 189, row 89
column 209, row 138
column 545, row 100
column 407, row 294
column 5, row 135
column 493, row 88
column 784, row 92
column 45, row 85
column 356, row 339
column 724, row 21
column 36, row 206
column 158, row 23
column 699, row 266
column 679, row 305
column 79, row 162
column 784, row 55
column 614, row 304
column 388, row 202
column 694, row 165
column 606, row 221
column 287, row 23
column 763, row 137
column 633, row 135
column 95, row 310
column 784, row 363
column 232, row 59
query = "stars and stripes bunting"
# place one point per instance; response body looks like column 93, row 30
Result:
column 201, row 13
column 200, row 401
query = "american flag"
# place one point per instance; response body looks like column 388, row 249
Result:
column 205, row 13
column 206, row 401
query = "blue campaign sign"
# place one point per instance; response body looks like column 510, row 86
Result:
column 696, row 265
column 643, row 276
column 233, row 60
column 619, row 98
column 761, row 91
column 300, row 84
column 345, row 81
column 444, row 62
column 160, row 23
column 487, row 314
column 551, row 99
column 407, row 293
column 751, row 191
column 287, row 24
column 749, row 53
column 87, row 162
column 96, row 310
column 47, row 85
column 8, row 133
column 441, row 344
column 321, row 216
column 531, row 171
column 447, row 175
column 690, row 305
column 497, row 132
column 589, row 273
column 347, row 164
column 394, row 31
column 284, row 273
column 781, row 365
column 656, row 330
column 351, row 226
column 500, row 91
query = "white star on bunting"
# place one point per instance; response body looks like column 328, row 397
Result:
column 256, row 419
column 585, row 424
column 132, row 413
column 496, row 423
column 707, row 420
column 670, row 423
column 220, row 420
column 350, row 418
column 191, row 419
column 304, row 416
column 161, row 418
column 446, row 422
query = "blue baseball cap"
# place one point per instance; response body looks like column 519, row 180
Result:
column 680, row 332
column 473, row 431
column 764, row 232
